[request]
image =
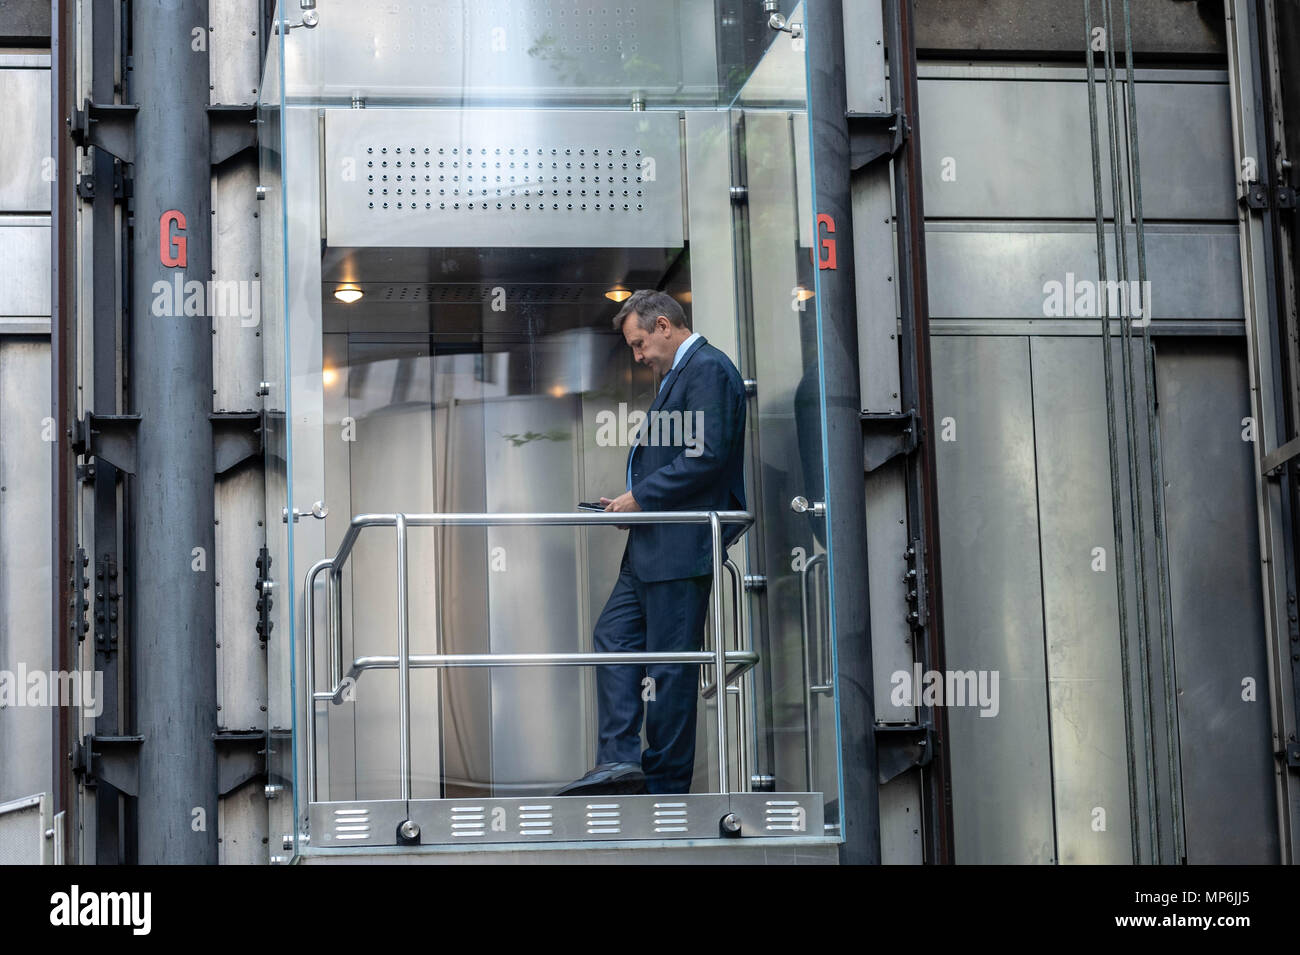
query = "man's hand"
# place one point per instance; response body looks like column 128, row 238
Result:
column 624, row 502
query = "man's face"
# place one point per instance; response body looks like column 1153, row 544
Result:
column 656, row 347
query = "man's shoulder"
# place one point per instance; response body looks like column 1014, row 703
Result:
column 709, row 356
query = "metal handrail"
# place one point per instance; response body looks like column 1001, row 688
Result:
column 811, row 683
column 709, row 688
column 404, row 661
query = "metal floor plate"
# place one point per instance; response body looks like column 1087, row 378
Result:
column 564, row 819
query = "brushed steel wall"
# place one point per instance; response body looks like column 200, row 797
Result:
column 1026, row 519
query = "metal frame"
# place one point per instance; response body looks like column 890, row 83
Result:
column 1267, row 384
column 719, row 656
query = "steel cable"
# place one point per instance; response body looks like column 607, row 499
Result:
column 1153, row 447
column 1112, row 441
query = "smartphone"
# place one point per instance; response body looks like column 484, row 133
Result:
column 591, row 506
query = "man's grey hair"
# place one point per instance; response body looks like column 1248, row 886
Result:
column 647, row 305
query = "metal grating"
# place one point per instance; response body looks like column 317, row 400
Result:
column 784, row 815
column 468, row 821
column 604, row 818
column 670, row 817
column 536, row 821
column 351, row 825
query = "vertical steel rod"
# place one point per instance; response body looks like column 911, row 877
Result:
column 720, row 652
column 403, row 661
column 309, row 626
column 1112, row 441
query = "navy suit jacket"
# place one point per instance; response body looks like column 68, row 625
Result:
column 690, row 457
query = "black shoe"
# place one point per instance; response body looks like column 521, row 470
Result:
column 608, row 779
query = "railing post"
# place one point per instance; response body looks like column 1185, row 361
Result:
column 720, row 653
column 403, row 661
column 309, row 622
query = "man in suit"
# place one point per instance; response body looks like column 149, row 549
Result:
column 689, row 456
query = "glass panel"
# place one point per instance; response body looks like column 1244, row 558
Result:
column 783, row 332
column 469, row 191
column 280, row 632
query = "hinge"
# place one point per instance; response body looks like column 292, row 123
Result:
column 107, row 597
column 80, row 583
column 264, row 587
column 917, row 598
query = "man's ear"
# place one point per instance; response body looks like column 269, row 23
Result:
column 663, row 325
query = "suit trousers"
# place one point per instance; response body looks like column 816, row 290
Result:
column 651, row 617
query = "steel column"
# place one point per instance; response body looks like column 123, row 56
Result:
column 171, row 389
column 63, row 351
column 846, row 521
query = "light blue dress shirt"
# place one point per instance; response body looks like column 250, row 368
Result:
column 682, row 349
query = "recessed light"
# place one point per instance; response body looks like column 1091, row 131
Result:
column 618, row 295
column 347, row 294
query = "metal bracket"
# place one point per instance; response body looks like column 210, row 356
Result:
column 1293, row 756
column 231, row 130
column 236, row 437
column 79, row 624
column 265, row 602
column 1257, row 195
column 106, row 601
column 917, row 598
column 87, row 185
column 106, row 126
column 900, row 748
column 1273, row 463
column 109, row 437
column 1285, row 197
column 113, row 759
column 885, row 436
column 874, row 136
column 241, row 757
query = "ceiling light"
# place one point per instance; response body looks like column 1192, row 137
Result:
column 347, row 294
column 803, row 294
column 618, row 295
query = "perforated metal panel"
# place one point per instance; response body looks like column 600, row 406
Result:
column 504, row 178
column 468, row 293
column 22, row 831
